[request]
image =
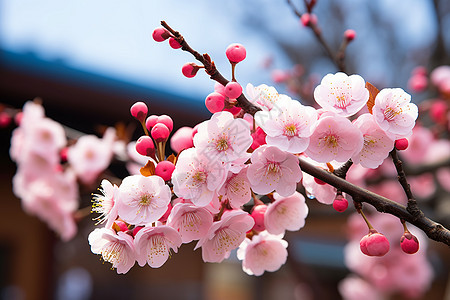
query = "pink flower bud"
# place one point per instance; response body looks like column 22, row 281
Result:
column 166, row 120
column 236, row 53
column 164, row 169
column 136, row 229
column 374, row 244
column 190, row 70
column 349, row 34
column 151, row 121
column 409, row 243
column 340, row 204
column 233, row 90
column 259, row 138
column 63, row 154
column 305, row 19
column 160, row 34
column 438, row 111
column 18, row 118
column 418, row 83
column 145, row 146
column 319, row 181
column 215, row 102
column 160, row 132
column 120, row 226
column 401, row 144
column 173, row 43
column 5, row 119
column 258, row 215
column 234, row 110
column 139, row 111
column 166, row 214
column 182, row 139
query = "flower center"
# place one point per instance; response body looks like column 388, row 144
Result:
column 331, row 141
column 146, row 199
column 199, row 177
column 290, row 130
column 368, row 140
column 273, row 168
column 390, row 113
column 222, row 144
column 112, row 253
column 342, row 101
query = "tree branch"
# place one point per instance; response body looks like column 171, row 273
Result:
column 432, row 229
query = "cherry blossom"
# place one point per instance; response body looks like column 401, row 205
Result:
column 342, row 94
column 288, row 125
column 104, row 203
column 153, row 245
column 264, row 96
column 394, row 113
column 377, row 144
column 223, row 138
column 324, row 193
column 142, row 200
column 286, row 213
column 334, row 138
column 91, row 155
column 272, row 169
column 225, row 235
column 236, row 189
column 194, row 178
column 264, row 252
column 118, row 249
column 192, row 222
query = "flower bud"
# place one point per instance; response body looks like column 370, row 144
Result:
column 190, row 70
column 236, row 53
column 151, row 121
column 160, row 132
column 349, row 34
column 145, row 146
column 257, row 214
column 166, row 120
column 164, row 169
column 233, row 90
column 173, row 43
column 401, row 144
column 374, row 244
column 409, row 243
column 139, row 111
column 215, row 102
column 160, row 34
column 340, row 204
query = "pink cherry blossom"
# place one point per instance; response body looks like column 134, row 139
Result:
column 286, row 213
column 225, row 235
column 104, row 203
column 236, row 189
column 142, row 200
column 288, row 125
column 52, row 197
column 91, row 155
column 394, row 113
column 223, row 138
column 272, row 169
column 263, row 96
column 196, row 179
column 117, row 249
column 356, row 288
column 264, row 252
column 334, row 138
column 342, row 94
column 153, row 245
column 192, row 222
column 377, row 144
column 182, row 139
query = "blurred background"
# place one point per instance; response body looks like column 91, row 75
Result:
column 89, row 61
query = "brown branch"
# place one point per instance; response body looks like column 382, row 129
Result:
column 337, row 60
column 211, row 69
column 433, row 230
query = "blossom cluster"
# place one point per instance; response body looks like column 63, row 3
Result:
column 235, row 161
